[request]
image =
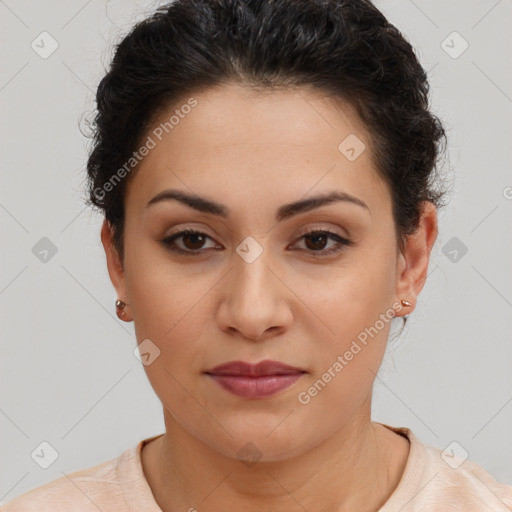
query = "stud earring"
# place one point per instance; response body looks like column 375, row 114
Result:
column 119, row 307
column 406, row 303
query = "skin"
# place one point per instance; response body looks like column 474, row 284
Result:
column 254, row 152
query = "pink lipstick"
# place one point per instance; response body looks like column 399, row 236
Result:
column 255, row 381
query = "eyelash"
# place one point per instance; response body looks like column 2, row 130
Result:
column 168, row 243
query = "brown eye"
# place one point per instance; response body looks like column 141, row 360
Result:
column 192, row 242
column 316, row 241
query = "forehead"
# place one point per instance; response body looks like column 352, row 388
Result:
column 266, row 144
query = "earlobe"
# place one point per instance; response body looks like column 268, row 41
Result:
column 115, row 267
column 413, row 267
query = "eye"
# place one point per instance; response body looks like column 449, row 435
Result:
column 193, row 241
column 318, row 239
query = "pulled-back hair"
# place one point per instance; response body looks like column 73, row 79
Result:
column 342, row 47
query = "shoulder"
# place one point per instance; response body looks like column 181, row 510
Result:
column 90, row 489
column 460, row 481
column 446, row 480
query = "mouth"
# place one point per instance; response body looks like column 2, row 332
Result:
column 264, row 379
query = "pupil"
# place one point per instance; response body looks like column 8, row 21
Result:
column 189, row 235
column 316, row 237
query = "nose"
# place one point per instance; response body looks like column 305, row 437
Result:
column 254, row 302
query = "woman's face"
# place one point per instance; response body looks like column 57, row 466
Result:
column 254, row 287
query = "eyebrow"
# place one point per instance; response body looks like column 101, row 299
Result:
column 285, row 211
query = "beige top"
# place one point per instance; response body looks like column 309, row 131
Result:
column 428, row 484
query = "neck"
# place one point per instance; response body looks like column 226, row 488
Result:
column 355, row 469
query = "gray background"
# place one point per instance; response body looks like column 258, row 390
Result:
column 68, row 373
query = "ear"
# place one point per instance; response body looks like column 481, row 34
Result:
column 114, row 263
column 413, row 261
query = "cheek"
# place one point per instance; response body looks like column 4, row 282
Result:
column 171, row 314
column 351, row 297
column 159, row 289
column 355, row 309
column 345, row 369
column 168, row 308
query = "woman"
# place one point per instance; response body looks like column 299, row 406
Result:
column 267, row 174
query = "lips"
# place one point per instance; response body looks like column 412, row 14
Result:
column 255, row 381
column 266, row 367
